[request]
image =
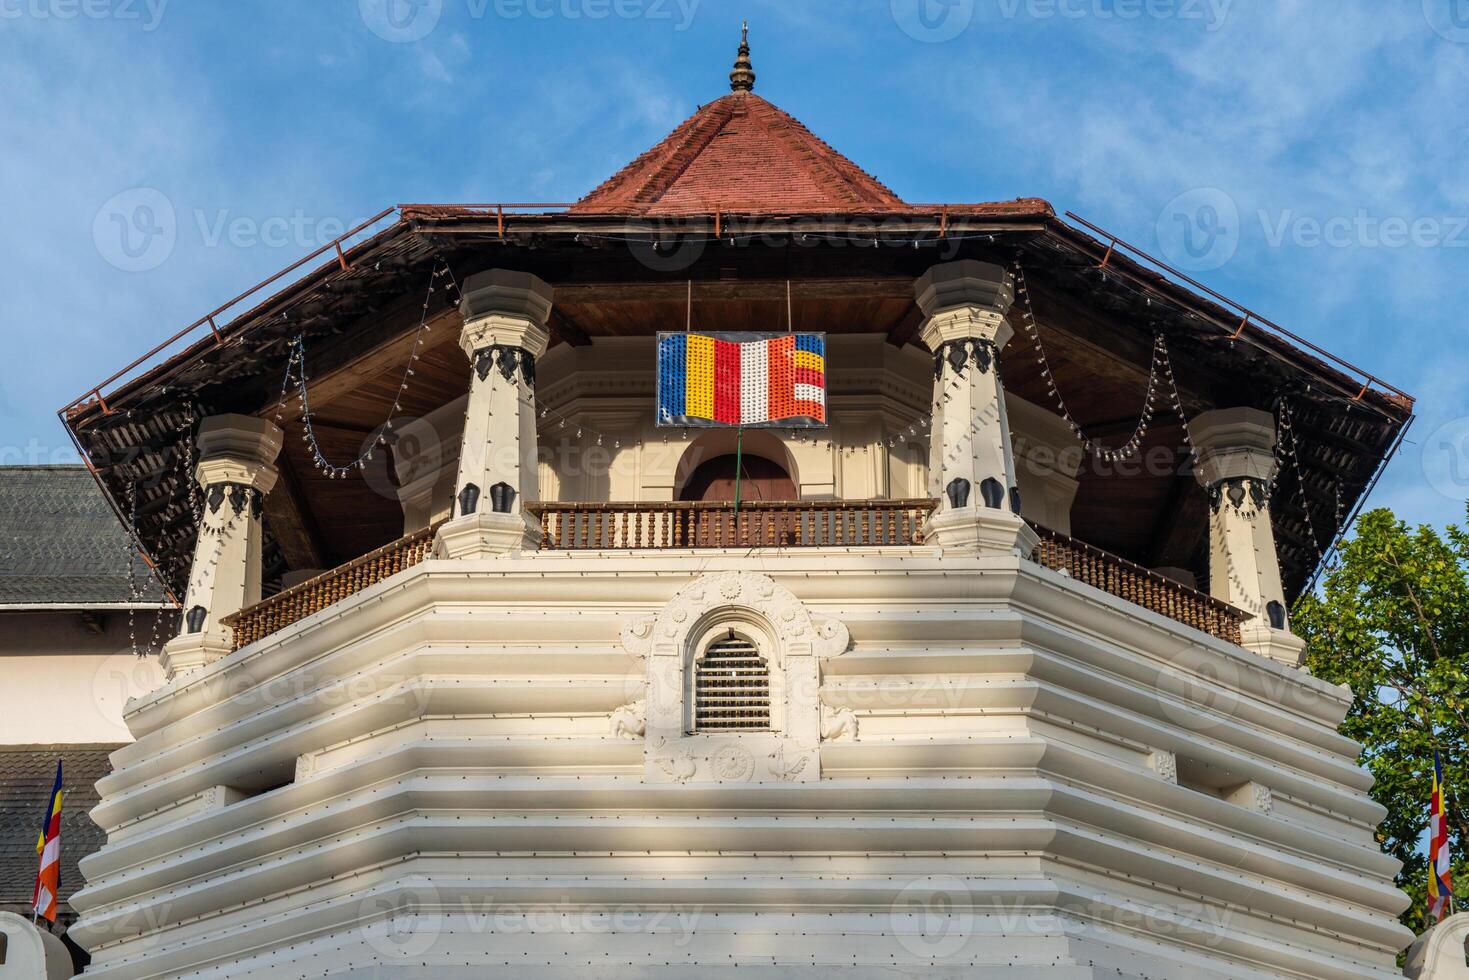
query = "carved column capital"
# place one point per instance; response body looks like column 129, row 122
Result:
column 1233, row 443
column 238, row 449
column 505, row 309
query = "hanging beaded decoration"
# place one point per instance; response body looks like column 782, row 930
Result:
column 296, row 371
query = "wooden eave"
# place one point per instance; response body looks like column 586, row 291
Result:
column 362, row 302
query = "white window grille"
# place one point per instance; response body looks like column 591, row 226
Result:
column 731, row 687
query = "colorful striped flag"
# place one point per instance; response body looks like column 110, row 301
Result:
column 1440, row 887
column 48, row 878
column 742, row 379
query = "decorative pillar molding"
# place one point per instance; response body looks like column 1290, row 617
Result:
column 1235, row 462
column 426, row 461
column 505, row 317
column 236, row 470
column 971, row 462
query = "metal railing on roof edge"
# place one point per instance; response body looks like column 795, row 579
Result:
column 210, row 319
column 1248, row 316
column 343, row 259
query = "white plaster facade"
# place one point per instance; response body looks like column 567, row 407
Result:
column 971, row 765
column 67, row 679
column 443, row 776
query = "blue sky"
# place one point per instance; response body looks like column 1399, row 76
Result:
column 1322, row 144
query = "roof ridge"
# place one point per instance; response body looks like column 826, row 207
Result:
column 664, row 149
column 784, row 120
column 773, row 163
column 661, row 179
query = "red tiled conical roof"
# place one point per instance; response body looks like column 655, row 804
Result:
column 742, row 154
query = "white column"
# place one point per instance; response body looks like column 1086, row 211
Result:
column 504, row 332
column 236, row 469
column 971, row 465
column 1235, row 462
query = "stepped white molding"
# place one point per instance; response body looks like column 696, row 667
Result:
column 447, row 768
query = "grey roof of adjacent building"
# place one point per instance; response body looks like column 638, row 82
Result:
column 61, row 546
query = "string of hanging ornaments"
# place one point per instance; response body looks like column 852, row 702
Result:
column 1288, row 444
column 296, row 371
column 132, row 547
column 183, row 475
column 1160, row 372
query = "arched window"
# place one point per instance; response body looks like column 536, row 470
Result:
column 706, row 469
column 760, row 479
column 731, row 687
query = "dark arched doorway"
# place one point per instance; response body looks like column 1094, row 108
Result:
column 760, row 479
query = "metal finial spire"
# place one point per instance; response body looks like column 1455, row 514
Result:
column 742, row 79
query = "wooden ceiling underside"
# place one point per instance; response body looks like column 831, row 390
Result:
column 1097, row 331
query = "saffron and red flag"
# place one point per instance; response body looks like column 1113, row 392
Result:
column 1440, row 885
column 750, row 380
column 48, row 878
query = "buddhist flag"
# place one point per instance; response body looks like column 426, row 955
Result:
column 48, row 879
column 742, row 379
column 1440, row 887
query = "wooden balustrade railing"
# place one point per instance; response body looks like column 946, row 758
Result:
column 757, row 524
column 315, row 594
column 1138, row 585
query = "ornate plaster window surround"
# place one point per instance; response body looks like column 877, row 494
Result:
column 761, row 616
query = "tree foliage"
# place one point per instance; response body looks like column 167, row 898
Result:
column 1392, row 621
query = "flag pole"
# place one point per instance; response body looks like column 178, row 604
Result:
column 739, row 465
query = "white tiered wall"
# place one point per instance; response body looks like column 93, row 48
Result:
column 438, row 775
column 487, row 764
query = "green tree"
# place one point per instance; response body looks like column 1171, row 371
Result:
column 1392, row 621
